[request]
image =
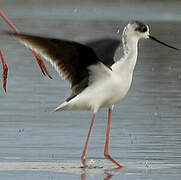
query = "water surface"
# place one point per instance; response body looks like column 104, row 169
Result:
column 36, row 143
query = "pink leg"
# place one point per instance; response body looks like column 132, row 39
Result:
column 39, row 60
column 5, row 70
column 83, row 157
column 41, row 64
column 106, row 149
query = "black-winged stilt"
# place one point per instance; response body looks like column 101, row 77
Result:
column 95, row 83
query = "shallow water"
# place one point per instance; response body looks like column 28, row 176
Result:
column 36, row 143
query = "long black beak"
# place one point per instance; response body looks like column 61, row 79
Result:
column 154, row 39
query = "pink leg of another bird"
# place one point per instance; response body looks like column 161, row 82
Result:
column 83, row 157
column 39, row 60
column 106, row 149
column 5, row 70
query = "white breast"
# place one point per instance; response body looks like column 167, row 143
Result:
column 103, row 93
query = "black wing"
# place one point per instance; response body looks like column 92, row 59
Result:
column 69, row 58
column 105, row 49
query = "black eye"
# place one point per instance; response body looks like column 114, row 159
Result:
column 142, row 28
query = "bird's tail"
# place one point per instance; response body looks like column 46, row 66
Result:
column 63, row 106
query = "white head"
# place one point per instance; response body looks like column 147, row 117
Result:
column 138, row 30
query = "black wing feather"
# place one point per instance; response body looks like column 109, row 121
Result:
column 70, row 58
column 105, row 49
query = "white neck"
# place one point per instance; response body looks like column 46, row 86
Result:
column 129, row 59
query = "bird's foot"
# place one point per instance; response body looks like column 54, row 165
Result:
column 106, row 154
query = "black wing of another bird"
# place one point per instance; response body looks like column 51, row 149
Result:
column 105, row 49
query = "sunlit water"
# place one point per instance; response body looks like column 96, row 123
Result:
column 36, row 143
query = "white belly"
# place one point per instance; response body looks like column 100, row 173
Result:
column 102, row 94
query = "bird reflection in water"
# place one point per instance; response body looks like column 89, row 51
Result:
column 108, row 172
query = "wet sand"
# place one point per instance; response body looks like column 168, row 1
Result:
column 36, row 143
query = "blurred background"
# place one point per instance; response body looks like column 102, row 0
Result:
column 146, row 126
